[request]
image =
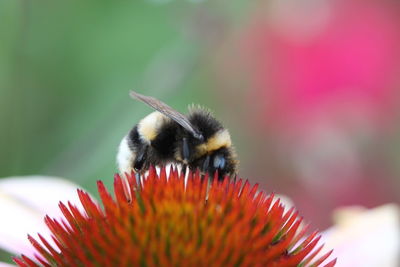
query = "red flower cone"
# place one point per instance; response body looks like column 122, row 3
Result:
column 168, row 222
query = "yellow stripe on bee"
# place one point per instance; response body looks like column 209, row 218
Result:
column 217, row 141
column 148, row 127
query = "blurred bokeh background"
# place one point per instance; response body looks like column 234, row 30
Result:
column 308, row 88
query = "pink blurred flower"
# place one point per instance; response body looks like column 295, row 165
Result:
column 342, row 66
column 323, row 78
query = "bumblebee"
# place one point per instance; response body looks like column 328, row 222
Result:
column 196, row 140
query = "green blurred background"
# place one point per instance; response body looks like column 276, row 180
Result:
column 308, row 89
column 66, row 69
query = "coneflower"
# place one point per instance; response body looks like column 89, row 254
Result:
column 170, row 221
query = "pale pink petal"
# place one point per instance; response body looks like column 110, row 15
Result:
column 40, row 192
column 368, row 238
column 24, row 201
column 2, row 264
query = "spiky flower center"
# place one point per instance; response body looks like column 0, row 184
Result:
column 173, row 222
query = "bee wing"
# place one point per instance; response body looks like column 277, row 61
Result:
column 169, row 112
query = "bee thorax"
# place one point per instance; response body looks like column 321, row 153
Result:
column 149, row 126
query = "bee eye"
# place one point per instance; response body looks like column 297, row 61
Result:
column 219, row 161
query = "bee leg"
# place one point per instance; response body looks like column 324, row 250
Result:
column 184, row 169
column 138, row 180
column 138, row 164
column 205, row 166
column 140, row 158
column 185, row 156
column 185, row 151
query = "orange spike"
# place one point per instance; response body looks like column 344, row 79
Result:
column 165, row 223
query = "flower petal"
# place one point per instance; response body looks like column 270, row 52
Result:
column 366, row 237
column 2, row 264
column 24, row 201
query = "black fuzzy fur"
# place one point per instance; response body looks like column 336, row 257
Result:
column 168, row 144
column 133, row 138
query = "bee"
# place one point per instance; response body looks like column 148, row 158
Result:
column 196, row 141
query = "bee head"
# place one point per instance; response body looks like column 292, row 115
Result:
column 210, row 152
column 221, row 161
